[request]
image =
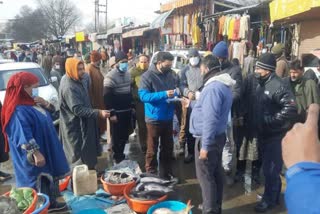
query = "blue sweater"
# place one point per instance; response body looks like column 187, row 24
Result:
column 152, row 92
column 209, row 116
column 303, row 185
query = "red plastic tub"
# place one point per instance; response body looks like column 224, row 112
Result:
column 115, row 189
column 33, row 205
column 64, row 183
column 137, row 205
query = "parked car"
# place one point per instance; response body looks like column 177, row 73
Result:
column 180, row 59
column 4, row 59
column 46, row 90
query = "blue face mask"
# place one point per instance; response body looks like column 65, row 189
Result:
column 35, row 92
column 123, row 67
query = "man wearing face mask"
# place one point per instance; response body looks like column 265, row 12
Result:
column 118, row 99
column 96, row 88
column 136, row 74
column 191, row 81
column 304, row 90
column 56, row 72
column 276, row 111
column 156, row 86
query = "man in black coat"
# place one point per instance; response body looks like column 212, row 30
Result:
column 276, row 112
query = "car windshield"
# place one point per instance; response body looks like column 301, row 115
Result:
column 6, row 74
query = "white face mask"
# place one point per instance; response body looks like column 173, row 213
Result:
column 194, row 61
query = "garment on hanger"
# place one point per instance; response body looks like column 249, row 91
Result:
column 244, row 26
column 231, row 27
column 222, row 20
column 236, row 29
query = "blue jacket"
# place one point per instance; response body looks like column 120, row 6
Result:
column 302, row 193
column 209, row 116
column 152, row 92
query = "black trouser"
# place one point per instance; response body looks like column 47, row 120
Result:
column 162, row 131
column 185, row 135
column 50, row 188
column 271, row 164
column 210, row 175
column 120, row 135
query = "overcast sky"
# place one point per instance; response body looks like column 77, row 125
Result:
column 141, row 9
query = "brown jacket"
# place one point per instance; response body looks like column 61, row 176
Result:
column 96, row 91
column 282, row 69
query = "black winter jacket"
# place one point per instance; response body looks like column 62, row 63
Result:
column 276, row 108
column 236, row 74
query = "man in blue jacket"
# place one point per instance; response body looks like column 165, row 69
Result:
column 208, row 125
column 156, row 86
column 301, row 155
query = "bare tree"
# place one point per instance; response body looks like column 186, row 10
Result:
column 62, row 15
column 29, row 25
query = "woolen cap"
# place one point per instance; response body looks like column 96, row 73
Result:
column 221, row 50
column 267, row 61
column 120, row 56
column 278, row 49
column 193, row 52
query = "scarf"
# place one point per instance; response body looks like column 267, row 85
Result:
column 16, row 95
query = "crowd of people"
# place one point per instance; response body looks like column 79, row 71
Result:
column 225, row 112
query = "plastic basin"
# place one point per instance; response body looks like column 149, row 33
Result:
column 33, row 205
column 172, row 205
column 44, row 208
column 64, row 184
column 138, row 205
column 115, row 189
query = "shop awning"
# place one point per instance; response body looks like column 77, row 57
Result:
column 233, row 11
column 135, row 32
column 281, row 9
column 115, row 30
column 160, row 20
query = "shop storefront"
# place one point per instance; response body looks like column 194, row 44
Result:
column 242, row 28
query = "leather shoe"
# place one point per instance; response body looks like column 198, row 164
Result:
column 263, row 207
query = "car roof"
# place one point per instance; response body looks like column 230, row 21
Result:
column 18, row 65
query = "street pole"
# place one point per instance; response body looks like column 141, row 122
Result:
column 95, row 14
column 107, row 16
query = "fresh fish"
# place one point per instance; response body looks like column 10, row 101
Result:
column 154, row 187
column 157, row 180
column 118, row 177
column 147, row 195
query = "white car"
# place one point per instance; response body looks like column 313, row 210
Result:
column 180, row 59
column 4, row 60
column 46, row 90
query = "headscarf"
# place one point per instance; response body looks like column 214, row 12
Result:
column 72, row 68
column 16, row 95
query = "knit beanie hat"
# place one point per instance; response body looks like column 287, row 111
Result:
column 95, row 56
column 278, row 49
column 267, row 61
column 121, row 56
column 221, row 50
column 193, row 52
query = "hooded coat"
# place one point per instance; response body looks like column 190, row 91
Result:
column 78, row 120
column 96, row 91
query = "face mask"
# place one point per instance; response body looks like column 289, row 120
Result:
column 194, row 61
column 165, row 69
column 35, row 92
column 123, row 67
column 143, row 66
column 260, row 78
column 57, row 67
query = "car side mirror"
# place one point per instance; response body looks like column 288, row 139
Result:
column 54, row 79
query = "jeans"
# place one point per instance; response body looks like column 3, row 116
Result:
column 210, row 175
column 162, row 131
column 271, row 165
